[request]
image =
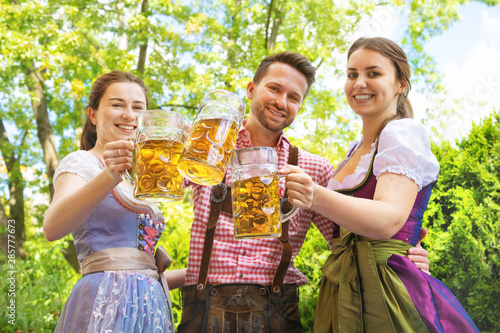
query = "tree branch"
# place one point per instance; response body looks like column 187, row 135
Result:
column 267, row 23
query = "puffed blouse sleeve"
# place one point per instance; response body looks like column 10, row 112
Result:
column 404, row 149
column 81, row 163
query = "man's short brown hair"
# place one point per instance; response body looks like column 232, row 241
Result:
column 296, row 60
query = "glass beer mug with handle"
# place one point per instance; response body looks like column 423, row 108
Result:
column 158, row 146
column 212, row 137
column 255, row 193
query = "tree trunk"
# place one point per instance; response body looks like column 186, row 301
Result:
column 44, row 129
column 15, row 235
column 4, row 237
column 270, row 41
column 143, row 49
column 274, row 33
column 269, row 12
column 141, row 64
column 46, row 138
column 123, row 40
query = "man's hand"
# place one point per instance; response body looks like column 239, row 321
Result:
column 418, row 255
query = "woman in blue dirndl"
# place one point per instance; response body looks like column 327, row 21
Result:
column 123, row 288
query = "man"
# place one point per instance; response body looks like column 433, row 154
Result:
column 243, row 274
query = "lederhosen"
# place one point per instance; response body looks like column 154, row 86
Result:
column 240, row 307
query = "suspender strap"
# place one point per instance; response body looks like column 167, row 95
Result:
column 227, row 205
column 286, row 248
column 221, row 199
column 219, row 194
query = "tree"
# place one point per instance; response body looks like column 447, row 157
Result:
column 32, row 53
column 464, row 221
column 52, row 55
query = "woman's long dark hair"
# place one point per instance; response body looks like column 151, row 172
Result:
column 393, row 51
column 89, row 134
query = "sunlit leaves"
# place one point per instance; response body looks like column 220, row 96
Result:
column 463, row 220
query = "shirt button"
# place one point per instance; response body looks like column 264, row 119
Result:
column 244, row 253
column 241, row 276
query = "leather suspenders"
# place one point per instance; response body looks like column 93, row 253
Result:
column 221, row 199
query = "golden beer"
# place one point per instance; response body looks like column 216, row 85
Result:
column 256, row 207
column 155, row 171
column 206, row 153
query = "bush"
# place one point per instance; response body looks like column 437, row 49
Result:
column 464, row 222
column 311, row 257
column 43, row 283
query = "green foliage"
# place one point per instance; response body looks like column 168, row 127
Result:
column 311, row 257
column 43, row 282
column 464, row 222
column 175, row 239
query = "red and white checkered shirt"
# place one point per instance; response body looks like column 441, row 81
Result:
column 254, row 260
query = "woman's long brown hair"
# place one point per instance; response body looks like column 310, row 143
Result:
column 395, row 53
column 89, row 134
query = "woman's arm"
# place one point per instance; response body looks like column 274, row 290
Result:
column 380, row 218
column 75, row 198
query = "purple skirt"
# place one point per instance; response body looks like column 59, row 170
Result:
column 436, row 304
column 371, row 286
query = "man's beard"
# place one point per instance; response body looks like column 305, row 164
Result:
column 260, row 113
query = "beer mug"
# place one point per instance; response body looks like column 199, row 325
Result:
column 257, row 208
column 214, row 132
column 158, row 146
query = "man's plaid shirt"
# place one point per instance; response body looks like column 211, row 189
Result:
column 254, row 260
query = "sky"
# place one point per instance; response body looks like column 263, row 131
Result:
column 467, row 56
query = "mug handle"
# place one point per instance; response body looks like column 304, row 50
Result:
column 127, row 178
column 287, row 210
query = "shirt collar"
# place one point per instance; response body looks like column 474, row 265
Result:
column 245, row 136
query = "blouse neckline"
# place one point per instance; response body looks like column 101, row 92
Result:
column 353, row 180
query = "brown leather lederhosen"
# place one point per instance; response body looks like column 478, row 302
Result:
column 241, row 307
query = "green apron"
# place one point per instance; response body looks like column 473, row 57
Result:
column 361, row 293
